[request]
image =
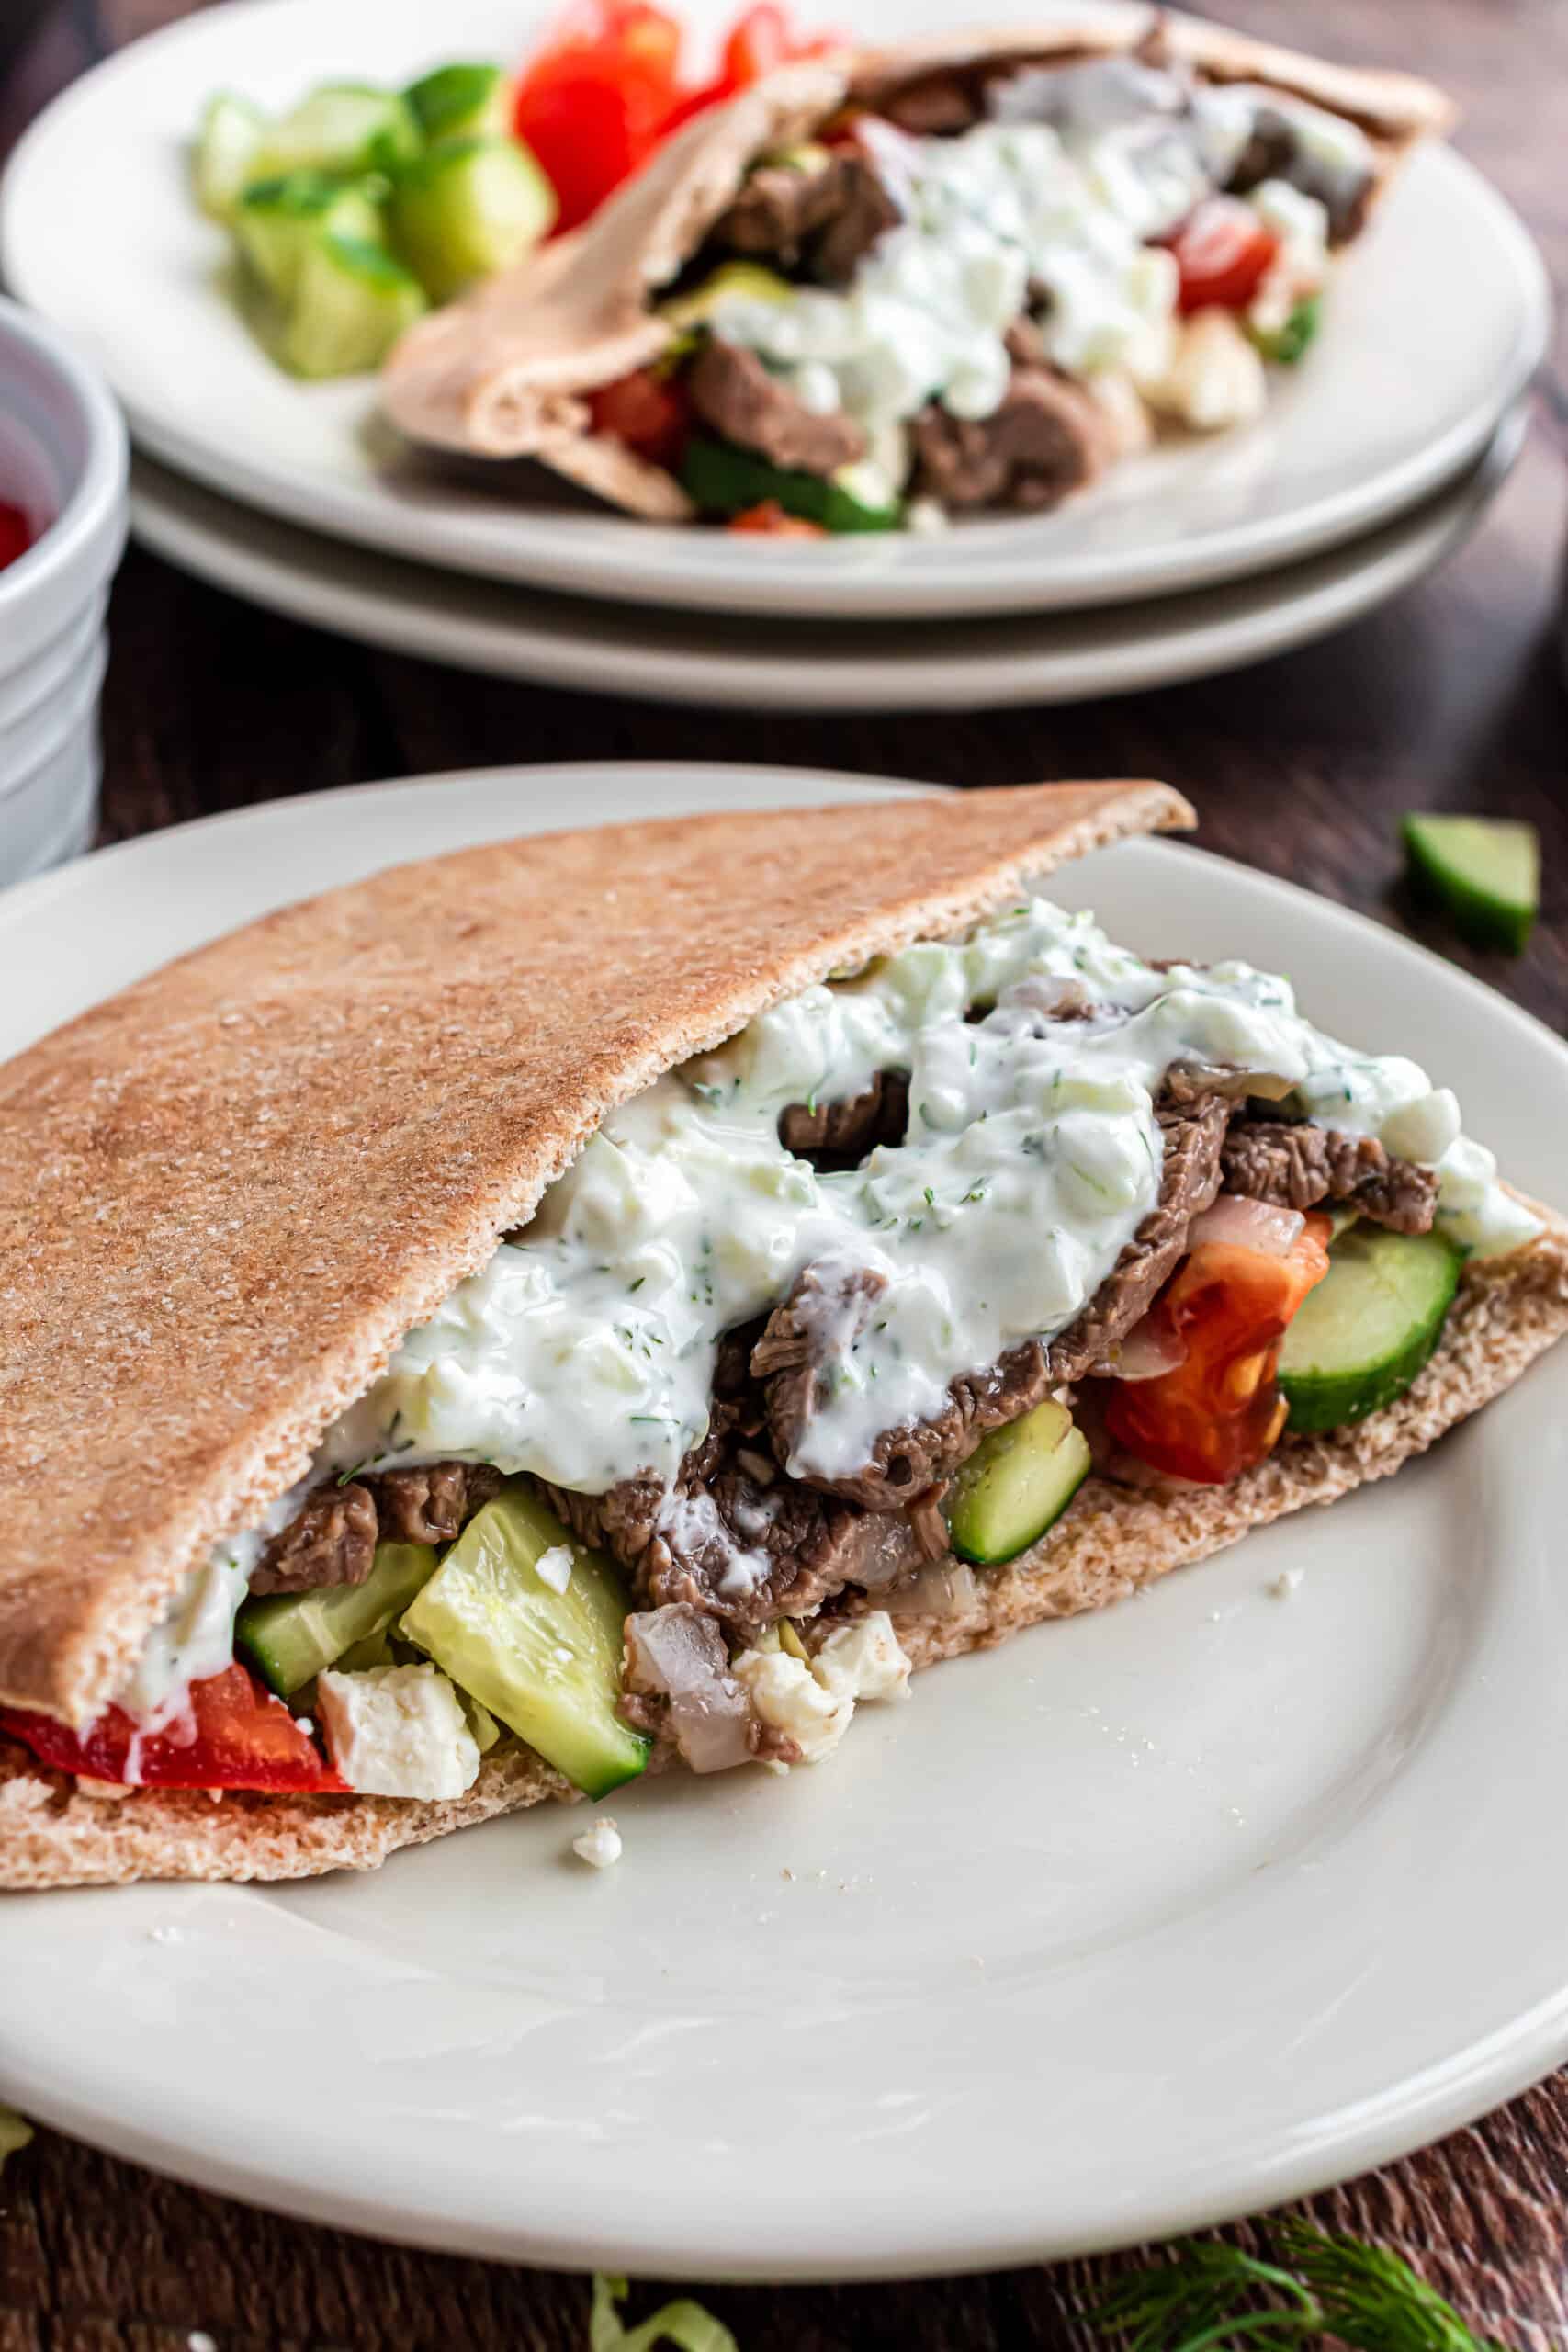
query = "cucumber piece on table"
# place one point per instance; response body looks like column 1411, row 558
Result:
column 462, row 102
column 548, row 1664
column 351, row 302
column 468, row 208
column 224, row 161
column 723, row 479
column 279, row 221
column 290, row 1637
column 1359, row 1337
column 344, row 127
column 1484, row 871
column 1015, row 1483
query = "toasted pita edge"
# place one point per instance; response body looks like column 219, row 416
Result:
column 504, row 372
column 1110, row 1543
column 984, row 847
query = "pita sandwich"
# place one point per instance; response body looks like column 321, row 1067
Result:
column 617, row 1298
column 793, row 292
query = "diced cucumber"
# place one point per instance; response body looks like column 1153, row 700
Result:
column 732, row 281
column 351, row 303
column 224, row 161
column 277, row 223
column 468, row 208
column 1359, row 1338
column 344, row 127
column 545, row 1663
column 722, row 480
column 289, row 1637
column 1284, row 345
column 1485, row 872
column 461, row 102
column 1016, row 1481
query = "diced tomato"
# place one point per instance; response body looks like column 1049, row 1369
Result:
column 235, row 1736
column 1222, row 251
column 769, row 517
column 16, row 534
column 650, row 412
column 1219, row 1411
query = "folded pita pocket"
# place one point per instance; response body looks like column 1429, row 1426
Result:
column 504, row 372
column 226, row 1195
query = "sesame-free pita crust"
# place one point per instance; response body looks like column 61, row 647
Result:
column 227, row 1192
column 504, row 372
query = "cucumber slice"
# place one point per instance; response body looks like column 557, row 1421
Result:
column 277, row 222
column 1284, row 345
column 224, row 161
column 545, row 1663
column 1484, row 871
column 732, row 281
column 350, row 306
column 1358, row 1340
column 344, row 127
column 462, row 102
column 723, row 479
column 290, row 1637
column 468, row 208
column 1015, row 1483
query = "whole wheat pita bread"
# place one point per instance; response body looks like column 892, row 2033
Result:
column 1108, row 1544
column 504, row 372
column 226, row 1195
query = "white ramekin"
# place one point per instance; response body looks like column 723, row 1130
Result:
column 62, row 457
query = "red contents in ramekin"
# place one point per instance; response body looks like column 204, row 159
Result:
column 15, row 533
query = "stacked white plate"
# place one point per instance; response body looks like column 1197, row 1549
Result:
column 1375, row 459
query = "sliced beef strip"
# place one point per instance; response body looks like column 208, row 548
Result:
column 1045, row 440
column 733, row 393
column 845, row 1131
column 1295, row 1166
column 827, row 1306
column 1275, row 151
column 332, row 1541
column 827, row 219
column 434, row 1503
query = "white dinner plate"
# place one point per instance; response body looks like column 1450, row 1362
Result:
column 750, row 663
column 1432, row 329
column 1148, row 1917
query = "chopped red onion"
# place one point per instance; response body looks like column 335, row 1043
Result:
column 1149, row 1349
column 679, row 1651
column 1247, row 1225
column 936, row 1591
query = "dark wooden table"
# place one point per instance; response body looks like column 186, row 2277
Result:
column 1451, row 698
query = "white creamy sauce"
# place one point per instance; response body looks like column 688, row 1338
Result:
column 1067, row 205
column 195, row 1637
column 585, row 1352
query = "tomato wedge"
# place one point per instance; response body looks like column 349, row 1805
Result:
column 1223, row 251
column 769, row 518
column 595, row 102
column 650, row 412
column 236, row 1736
column 1219, row 1411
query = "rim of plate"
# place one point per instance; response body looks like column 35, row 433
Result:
column 594, row 646
column 1386, row 2120
column 592, row 552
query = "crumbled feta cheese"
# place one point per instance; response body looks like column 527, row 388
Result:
column 812, row 1701
column 1215, row 378
column 1300, row 226
column 1424, row 1129
column 601, row 1846
column 926, row 517
column 791, row 1701
column 397, row 1731
column 1283, row 1585
column 863, row 1660
column 553, row 1567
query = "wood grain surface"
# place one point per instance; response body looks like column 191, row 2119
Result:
column 1450, row 698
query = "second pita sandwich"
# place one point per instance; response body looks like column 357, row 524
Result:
column 625, row 1298
column 960, row 275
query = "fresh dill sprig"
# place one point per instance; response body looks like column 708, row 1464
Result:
column 1209, row 2297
